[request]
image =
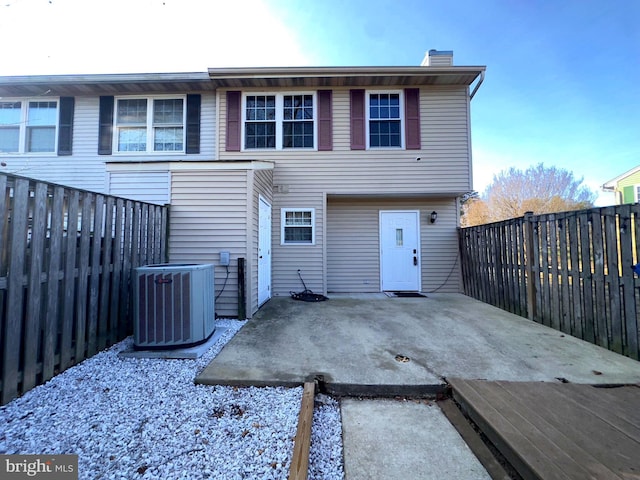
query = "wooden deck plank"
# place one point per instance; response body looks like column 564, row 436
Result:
column 521, row 449
column 622, row 405
column 590, row 440
column 558, row 430
column 557, row 447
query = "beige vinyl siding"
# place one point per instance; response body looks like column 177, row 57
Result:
column 262, row 185
column 151, row 187
column 439, row 247
column 287, row 259
column 303, row 179
column 209, row 215
column 444, row 168
column 353, row 243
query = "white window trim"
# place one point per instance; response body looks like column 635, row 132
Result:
column 279, row 120
column 24, row 120
column 400, row 94
column 283, row 212
column 636, row 192
column 149, row 125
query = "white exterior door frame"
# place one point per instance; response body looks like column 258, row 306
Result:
column 400, row 263
column 264, row 250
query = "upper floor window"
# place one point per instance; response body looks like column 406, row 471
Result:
column 279, row 121
column 28, row 126
column 150, row 125
column 384, row 123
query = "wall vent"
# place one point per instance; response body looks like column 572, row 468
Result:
column 173, row 305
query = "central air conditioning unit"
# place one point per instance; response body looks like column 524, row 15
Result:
column 173, row 305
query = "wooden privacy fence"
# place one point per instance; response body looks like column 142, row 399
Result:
column 66, row 258
column 572, row 271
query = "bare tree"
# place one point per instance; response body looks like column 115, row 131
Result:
column 538, row 189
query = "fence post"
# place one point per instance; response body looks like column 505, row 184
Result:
column 531, row 284
column 242, row 297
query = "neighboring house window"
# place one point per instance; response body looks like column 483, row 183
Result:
column 384, row 119
column 149, row 125
column 298, row 226
column 279, row 121
column 28, row 126
column 636, row 189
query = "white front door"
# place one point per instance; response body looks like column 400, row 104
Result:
column 264, row 252
column 400, row 250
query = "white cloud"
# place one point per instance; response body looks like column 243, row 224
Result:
column 110, row 36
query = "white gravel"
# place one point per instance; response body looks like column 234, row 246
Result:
column 131, row 418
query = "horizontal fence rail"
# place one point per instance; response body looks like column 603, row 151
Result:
column 66, row 258
column 572, row 271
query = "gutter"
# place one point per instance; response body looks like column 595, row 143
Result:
column 475, row 89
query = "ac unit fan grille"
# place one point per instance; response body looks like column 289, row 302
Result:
column 164, row 308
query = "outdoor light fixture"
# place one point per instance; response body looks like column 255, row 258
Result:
column 434, row 216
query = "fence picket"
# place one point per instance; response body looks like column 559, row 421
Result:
column 554, row 287
column 628, row 282
column 599, row 280
column 34, row 314
column 563, row 245
column 66, row 339
column 106, row 269
column 53, row 284
column 15, row 290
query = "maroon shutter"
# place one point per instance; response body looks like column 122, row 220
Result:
column 412, row 118
column 233, row 121
column 357, row 120
column 325, row 121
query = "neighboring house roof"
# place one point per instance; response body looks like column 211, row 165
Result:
column 612, row 184
column 100, row 84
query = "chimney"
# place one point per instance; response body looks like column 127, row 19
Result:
column 438, row 58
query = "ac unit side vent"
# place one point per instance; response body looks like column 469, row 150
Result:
column 173, row 305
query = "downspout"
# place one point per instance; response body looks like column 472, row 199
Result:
column 475, row 89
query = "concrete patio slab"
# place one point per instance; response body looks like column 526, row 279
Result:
column 405, row 346
column 400, row 439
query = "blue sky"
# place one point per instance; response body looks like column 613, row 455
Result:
column 562, row 84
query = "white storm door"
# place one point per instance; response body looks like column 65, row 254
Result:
column 400, row 250
column 264, row 251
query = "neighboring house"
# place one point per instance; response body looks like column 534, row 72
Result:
column 626, row 187
column 349, row 175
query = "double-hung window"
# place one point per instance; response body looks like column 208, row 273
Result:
column 298, row 226
column 150, row 125
column 279, row 121
column 28, row 126
column 384, row 119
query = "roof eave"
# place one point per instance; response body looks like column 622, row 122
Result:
column 342, row 76
column 103, row 83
